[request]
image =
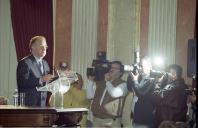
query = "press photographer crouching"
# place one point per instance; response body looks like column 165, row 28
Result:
column 109, row 97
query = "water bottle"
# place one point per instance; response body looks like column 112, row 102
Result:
column 22, row 99
column 15, row 98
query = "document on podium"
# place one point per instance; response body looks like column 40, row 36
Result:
column 53, row 86
column 61, row 84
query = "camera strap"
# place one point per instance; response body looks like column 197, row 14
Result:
column 102, row 98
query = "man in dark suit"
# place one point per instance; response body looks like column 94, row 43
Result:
column 32, row 72
column 143, row 85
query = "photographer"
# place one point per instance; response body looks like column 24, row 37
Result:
column 171, row 99
column 143, row 85
column 109, row 97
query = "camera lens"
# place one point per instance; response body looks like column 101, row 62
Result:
column 90, row 72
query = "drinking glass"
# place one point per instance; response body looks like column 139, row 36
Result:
column 64, row 87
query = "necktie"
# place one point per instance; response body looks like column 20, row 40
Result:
column 40, row 66
column 43, row 94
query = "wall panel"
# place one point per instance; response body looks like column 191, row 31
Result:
column 84, row 34
column 162, row 29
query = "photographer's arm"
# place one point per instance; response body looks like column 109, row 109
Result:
column 161, row 83
column 90, row 91
column 133, row 84
column 130, row 83
column 120, row 90
column 90, row 88
column 136, row 89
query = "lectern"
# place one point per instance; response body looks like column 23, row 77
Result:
column 11, row 116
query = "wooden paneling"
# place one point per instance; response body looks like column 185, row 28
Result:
column 162, row 30
column 84, row 34
column 63, row 31
column 144, row 22
column 185, row 30
column 102, row 25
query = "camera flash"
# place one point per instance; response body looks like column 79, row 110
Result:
column 158, row 61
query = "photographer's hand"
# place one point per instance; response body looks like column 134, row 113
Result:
column 90, row 89
column 46, row 78
column 162, row 81
column 91, row 78
column 107, row 77
column 133, row 76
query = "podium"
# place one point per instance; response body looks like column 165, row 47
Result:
column 11, row 116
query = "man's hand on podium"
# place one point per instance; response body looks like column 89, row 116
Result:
column 47, row 78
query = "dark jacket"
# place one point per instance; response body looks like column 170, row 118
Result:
column 28, row 75
column 144, row 107
column 171, row 102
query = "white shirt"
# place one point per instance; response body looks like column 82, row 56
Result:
column 39, row 61
column 115, row 92
column 118, row 91
column 90, row 89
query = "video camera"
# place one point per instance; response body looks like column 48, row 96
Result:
column 100, row 67
column 135, row 68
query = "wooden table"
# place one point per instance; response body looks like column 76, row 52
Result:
column 39, row 117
